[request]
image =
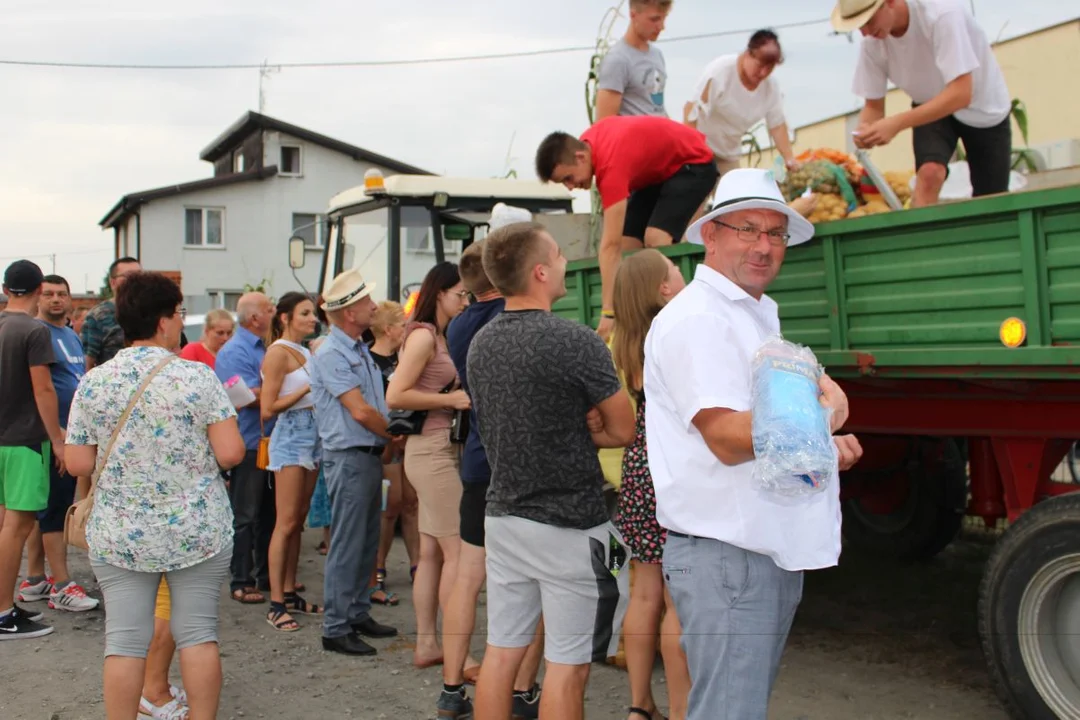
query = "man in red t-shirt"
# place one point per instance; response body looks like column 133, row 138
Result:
column 653, row 175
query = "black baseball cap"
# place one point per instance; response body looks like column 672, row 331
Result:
column 22, row 277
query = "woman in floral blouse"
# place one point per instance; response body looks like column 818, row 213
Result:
column 160, row 505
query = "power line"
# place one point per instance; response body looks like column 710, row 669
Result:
column 383, row 63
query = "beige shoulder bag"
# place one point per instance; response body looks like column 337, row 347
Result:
column 79, row 513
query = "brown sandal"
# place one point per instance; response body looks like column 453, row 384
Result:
column 247, row 596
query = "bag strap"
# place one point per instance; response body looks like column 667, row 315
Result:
column 124, row 418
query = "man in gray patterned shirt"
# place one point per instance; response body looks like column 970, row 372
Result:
column 546, row 396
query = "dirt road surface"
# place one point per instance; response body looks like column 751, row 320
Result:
column 872, row 641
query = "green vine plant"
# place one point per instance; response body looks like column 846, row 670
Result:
column 1024, row 158
column 603, row 44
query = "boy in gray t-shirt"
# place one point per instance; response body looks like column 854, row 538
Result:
column 632, row 74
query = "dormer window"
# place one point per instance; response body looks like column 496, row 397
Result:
column 238, row 161
column 290, row 161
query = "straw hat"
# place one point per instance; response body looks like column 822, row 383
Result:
column 346, row 289
column 752, row 189
column 850, row 15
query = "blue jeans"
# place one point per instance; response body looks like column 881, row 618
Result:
column 736, row 609
column 354, row 483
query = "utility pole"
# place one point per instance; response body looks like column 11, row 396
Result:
column 264, row 75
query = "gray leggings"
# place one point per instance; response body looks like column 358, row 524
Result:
column 130, row 597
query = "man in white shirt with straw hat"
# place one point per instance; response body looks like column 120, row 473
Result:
column 935, row 52
column 351, row 414
column 735, row 553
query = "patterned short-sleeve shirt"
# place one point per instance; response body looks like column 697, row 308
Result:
column 160, row 503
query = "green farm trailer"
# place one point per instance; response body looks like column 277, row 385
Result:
column 955, row 331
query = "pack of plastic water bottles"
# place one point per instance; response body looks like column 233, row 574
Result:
column 792, row 439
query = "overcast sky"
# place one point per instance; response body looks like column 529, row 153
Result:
column 73, row 141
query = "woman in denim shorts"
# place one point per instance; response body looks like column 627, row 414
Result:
column 294, row 451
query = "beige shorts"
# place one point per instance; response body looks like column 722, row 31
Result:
column 431, row 463
column 724, row 165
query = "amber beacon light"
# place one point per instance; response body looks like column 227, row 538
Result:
column 1013, row 332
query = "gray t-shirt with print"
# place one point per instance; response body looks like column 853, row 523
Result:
column 533, row 376
column 639, row 76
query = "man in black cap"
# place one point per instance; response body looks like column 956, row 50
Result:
column 29, row 424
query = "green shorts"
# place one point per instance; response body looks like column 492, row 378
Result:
column 24, row 477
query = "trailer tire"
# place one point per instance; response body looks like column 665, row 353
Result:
column 1029, row 612
column 932, row 512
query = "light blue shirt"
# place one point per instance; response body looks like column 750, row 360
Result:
column 342, row 364
column 243, row 355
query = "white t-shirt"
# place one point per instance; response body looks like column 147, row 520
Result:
column 729, row 109
column 942, row 43
column 697, row 356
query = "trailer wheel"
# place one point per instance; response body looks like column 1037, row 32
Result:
column 1029, row 612
column 912, row 510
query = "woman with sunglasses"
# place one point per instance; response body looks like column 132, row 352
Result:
column 733, row 94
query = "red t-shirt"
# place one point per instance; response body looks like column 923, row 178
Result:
column 197, row 351
column 633, row 152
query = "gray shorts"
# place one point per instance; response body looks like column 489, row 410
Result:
column 130, row 597
column 578, row 579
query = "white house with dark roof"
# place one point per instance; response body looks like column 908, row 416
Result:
column 271, row 181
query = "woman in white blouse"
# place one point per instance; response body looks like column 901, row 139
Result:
column 160, row 506
column 733, row 94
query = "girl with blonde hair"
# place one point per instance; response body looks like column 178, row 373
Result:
column 646, row 281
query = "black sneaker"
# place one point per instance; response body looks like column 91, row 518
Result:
column 454, row 706
column 16, row 626
column 526, row 704
column 28, row 614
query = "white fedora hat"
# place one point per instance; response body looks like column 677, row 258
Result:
column 503, row 215
column 345, row 290
column 850, row 15
column 752, row 189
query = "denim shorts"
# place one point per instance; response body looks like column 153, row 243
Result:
column 295, row 441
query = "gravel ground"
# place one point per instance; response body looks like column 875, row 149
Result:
column 872, row 641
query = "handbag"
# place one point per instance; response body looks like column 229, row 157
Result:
column 410, row 422
column 459, row 426
column 78, row 515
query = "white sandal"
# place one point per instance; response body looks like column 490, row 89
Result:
column 171, row 710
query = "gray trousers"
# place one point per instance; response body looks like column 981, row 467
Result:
column 131, row 596
column 736, row 609
column 354, row 484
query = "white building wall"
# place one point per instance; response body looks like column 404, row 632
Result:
column 258, row 225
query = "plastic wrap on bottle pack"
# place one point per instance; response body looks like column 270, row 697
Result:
column 793, row 444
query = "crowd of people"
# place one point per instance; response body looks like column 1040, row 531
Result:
column 475, row 422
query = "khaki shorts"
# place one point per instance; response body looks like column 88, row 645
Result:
column 724, row 166
column 431, row 464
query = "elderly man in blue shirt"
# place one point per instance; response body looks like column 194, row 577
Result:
column 249, row 487
column 351, row 413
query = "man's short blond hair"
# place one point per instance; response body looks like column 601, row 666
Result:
column 471, row 269
column 664, row 5
column 510, row 254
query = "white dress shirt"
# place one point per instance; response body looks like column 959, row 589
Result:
column 698, row 355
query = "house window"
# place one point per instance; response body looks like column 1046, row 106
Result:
column 238, row 161
column 310, row 227
column 290, row 160
column 204, row 227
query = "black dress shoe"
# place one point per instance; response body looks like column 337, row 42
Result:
column 372, row 629
column 349, row 644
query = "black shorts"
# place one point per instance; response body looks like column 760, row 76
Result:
column 670, row 205
column 988, row 150
column 473, row 509
column 61, row 496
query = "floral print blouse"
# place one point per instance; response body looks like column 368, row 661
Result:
column 160, row 503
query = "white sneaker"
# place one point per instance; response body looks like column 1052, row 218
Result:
column 35, row 592
column 171, row 710
column 72, row 598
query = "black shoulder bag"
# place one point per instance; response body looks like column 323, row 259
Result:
column 411, row 422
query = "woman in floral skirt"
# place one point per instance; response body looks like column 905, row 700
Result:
column 646, row 281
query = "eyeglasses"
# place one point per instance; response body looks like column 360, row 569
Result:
column 462, row 294
column 750, row 234
column 183, row 313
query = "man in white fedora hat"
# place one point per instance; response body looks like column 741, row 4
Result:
column 935, row 52
column 351, row 414
column 734, row 556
